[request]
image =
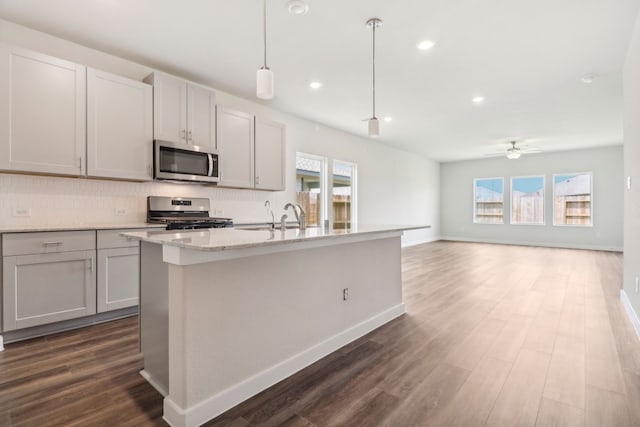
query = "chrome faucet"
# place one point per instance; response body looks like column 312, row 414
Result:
column 301, row 217
column 267, row 205
column 302, row 220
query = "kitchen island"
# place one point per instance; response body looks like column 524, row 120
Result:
column 226, row 313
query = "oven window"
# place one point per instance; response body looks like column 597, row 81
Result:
column 183, row 162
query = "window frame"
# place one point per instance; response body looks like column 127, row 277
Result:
column 544, row 195
column 475, row 206
column 324, row 188
column 591, row 201
column 354, row 191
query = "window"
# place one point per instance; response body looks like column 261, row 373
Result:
column 488, row 196
column 527, row 200
column 310, row 187
column 572, row 201
column 344, row 203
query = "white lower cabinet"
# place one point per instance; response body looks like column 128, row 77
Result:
column 47, row 287
column 60, row 275
column 118, row 271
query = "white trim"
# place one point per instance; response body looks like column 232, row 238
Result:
column 553, row 199
column 155, row 384
column 633, row 316
column 206, row 410
column 419, row 242
column 474, row 213
column 1, row 343
column 544, row 195
column 541, row 244
column 323, row 182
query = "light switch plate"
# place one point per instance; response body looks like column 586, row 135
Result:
column 120, row 211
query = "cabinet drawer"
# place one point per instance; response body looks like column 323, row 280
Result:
column 112, row 238
column 47, row 242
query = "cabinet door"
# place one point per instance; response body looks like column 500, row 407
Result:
column 169, row 108
column 42, row 113
column 270, row 155
column 235, row 148
column 118, row 278
column 45, row 288
column 119, row 127
column 201, row 116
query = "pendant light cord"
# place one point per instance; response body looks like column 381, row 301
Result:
column 374, row 68
column 264, row 27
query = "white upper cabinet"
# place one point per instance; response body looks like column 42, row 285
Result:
column 269, row 155
column 183, row 112
column 119, row 127
column 42, row 113
column 201, row 116
column 251, row 150
column 235, row 148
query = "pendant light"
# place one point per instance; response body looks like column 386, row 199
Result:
column 374, row 124
column 264, row 76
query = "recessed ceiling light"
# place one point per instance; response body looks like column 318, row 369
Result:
column 388, row 119
column 315, row 85
column 477, row 99
column 588, row 78
column 297, row 7
column 425, row 45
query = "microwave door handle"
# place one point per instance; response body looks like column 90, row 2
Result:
column 210, row 173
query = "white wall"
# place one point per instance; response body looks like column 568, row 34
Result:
column 456, row 199
column 632, row 169
column 394, row 187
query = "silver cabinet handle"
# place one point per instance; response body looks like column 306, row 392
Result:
column 51, row 243
column 210, row 171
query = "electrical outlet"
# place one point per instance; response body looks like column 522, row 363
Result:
column 637, row 284
column 218, row 211
column 345, row 294
column 120, row 211
column 21, row 212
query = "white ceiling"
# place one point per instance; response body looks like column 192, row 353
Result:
column 525, row 57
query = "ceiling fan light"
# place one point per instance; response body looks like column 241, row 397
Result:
column 374, row 127
column 264, row 83
column 513, row 153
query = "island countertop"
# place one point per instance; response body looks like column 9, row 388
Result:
column 221, row 239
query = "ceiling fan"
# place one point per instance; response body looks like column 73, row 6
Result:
column 514, row 152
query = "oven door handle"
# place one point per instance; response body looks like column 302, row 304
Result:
column 210, row 156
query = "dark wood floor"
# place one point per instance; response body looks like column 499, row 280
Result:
column 493, row 335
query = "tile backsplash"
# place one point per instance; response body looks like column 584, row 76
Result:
column 27, row 200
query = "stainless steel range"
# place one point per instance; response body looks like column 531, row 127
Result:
column 180, row 213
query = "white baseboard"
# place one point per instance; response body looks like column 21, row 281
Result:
column 419, row 242
column 540, row 244
column 227, row 399
column 633, row 316
column 155, row 384
column 1, row 343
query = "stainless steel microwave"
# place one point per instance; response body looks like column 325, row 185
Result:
column 182, row 162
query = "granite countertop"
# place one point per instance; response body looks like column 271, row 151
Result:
column 219, row 239
column 76, row 227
